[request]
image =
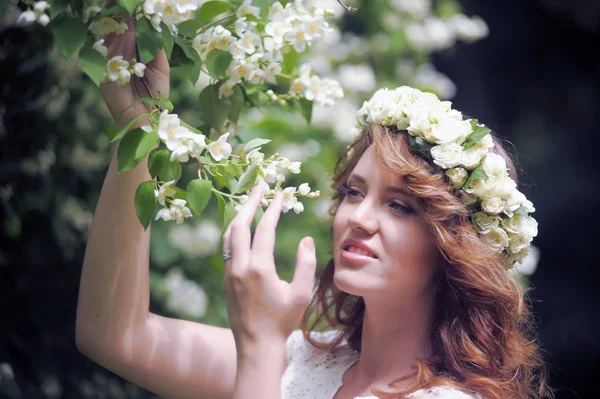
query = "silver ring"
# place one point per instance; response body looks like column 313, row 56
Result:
column 226, row 255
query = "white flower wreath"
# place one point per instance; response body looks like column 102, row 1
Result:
column 498, row 211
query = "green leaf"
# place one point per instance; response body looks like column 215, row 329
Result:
column 237, row 104
column 187, row 59
column 128, row 5
column 290, row 61
column 198, row 193
column 362, row 121
column 211, row 9
column 213, row 110
column 171, row 171
column 145, row 202
column 247, row 180
column 167, row 39
column 257, row 216
column 418, row 144
column 254, row 143
column 126, row 128
column 448, row 8
column 108, row 11
column 149, row 41
column 305, row 108
column 157, row 160
column 229, row 214
column 69, row 34
column 166, row 103
column 477, row 174
column 217, row 62
column 93, row 64
column 134, row 147
column 477, row 134
column 189, row 27
column 221, row 204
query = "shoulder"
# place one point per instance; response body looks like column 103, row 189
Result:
column 444, row 392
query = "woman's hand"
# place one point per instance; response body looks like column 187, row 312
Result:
column 261, row 307
column 155, row 80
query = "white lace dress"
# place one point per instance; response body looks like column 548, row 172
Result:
column 313, row 373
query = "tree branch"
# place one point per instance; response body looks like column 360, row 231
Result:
column 347, row 8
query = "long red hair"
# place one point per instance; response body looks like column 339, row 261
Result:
column 483, row 337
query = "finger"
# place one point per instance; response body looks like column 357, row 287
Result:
column 264, row 238
column 304, row 276
column 240, row 232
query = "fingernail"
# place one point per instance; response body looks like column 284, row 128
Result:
column 308, row 244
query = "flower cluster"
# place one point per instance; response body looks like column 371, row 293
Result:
column 183, row 144
column 37, row 14
column 322, row 91
column 500, row 212
column 438, row 34
column 185, row 297
column 117, row 69
column 104, row 26
column 258, row 54
column 170, row 12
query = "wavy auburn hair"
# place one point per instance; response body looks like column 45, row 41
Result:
column 483, row 334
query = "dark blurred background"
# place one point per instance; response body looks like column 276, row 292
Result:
column 535, row 80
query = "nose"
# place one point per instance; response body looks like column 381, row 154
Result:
column 364, row 217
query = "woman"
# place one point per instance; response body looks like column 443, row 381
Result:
column 419, row 297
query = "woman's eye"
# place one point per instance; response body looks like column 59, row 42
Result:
column 398, row 207
column 348, row 191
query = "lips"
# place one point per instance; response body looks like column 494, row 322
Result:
column 359, row 248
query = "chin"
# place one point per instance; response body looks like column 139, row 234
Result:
column 348, row 280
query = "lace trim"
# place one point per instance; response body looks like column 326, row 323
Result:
column 313, row 373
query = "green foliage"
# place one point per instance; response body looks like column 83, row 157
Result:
column 237, row 104
column 145, row 202
column 157, row 159
column 217, row 62
column 69, row 34
column 93, row 64
column 478, row 133
column 213, row 110
column 134, row 147
column 477, row 174
column 149, row 42
column 126, row 128
column 198, row 194
column 186, row 58
column 247, row 180
column 128, row 5
column 211, row 9
column 171, row 171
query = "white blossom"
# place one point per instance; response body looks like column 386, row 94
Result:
column 177, row 211
column 220, row 148
column 100, row 47
column 138, row 69
column 164, row 191
column 303, row 189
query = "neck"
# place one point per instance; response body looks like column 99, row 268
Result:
column 393, row 338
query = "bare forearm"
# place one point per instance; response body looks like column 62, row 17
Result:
column 260, row 368
column 114, row 288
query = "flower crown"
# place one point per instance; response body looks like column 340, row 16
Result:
column 498, row 211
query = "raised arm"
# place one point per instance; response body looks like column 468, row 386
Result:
column 173, row 358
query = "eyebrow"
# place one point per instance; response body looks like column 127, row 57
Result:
column 389, row 189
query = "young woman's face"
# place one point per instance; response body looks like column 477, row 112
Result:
column 399, row 257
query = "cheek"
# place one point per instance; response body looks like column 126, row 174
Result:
column 414, row 252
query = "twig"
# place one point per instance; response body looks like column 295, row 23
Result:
column 347, row 8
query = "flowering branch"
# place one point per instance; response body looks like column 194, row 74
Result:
column 347, row 8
